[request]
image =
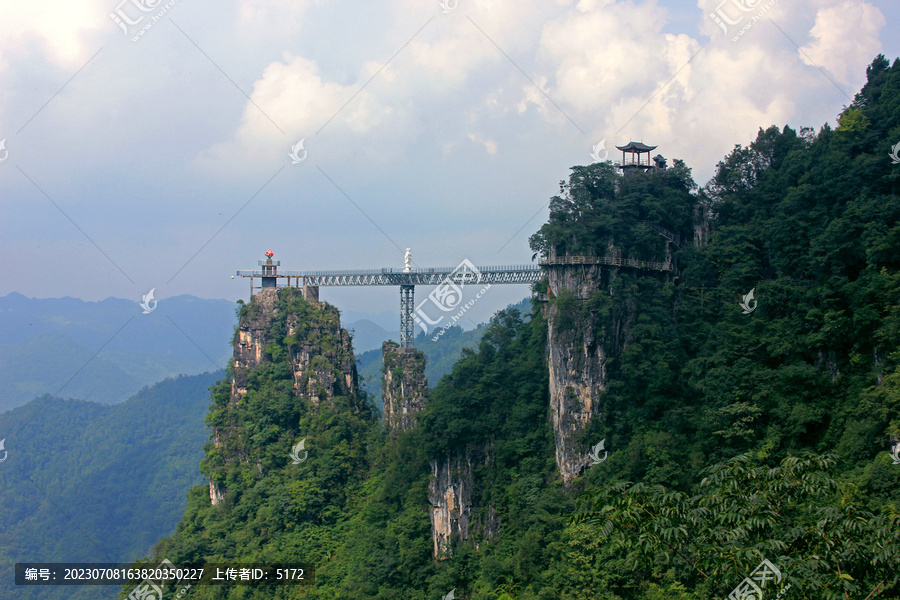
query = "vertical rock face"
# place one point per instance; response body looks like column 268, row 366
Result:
column 321, row 347
column 215, row 493
column 404, row 386
column 456, row 509
column 319, row 350
column 405, row 393
column 577, row 363
column 450, row 495
column 252, row 336
column 700, row 220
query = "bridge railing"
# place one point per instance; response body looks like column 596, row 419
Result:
column 607, row 260
column 390, row 271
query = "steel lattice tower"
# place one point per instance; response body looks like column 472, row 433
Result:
column 407, row 303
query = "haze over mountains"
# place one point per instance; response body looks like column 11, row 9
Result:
column 106, row 351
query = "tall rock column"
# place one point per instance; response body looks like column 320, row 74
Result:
column 318, row 353
column 577, row 363
column 404, row 386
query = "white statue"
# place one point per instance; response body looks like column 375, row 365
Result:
column 408, row 259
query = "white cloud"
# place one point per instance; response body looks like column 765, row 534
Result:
column 63, row 29
column 489, row 145
column 292, row 95
column 846, row 39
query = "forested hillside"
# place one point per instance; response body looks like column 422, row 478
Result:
column 731, row 434
column 86, row 482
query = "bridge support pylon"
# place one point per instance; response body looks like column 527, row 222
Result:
column 407, row 324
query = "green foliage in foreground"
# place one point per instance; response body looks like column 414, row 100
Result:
column 820, row 537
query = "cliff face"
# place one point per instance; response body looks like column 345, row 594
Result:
column 252, row 336
column 455, row 507
column 700, row 223
column 577, row 360
column 450, row 495
column 404, row 386
column 405, row 393
column 318, row 349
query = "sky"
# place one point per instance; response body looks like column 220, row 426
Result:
column 154, row 143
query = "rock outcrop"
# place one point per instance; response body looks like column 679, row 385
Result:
column 700, row 223
column 316, row 347
column 311, row 337
column 577, row 362
column 404, row 386
column 457, row 513
column 450, row 495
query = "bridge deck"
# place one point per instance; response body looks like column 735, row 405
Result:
column 513, row 274
column 430, row 276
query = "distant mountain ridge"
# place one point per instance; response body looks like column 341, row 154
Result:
column 105, row 351
column 368, row 335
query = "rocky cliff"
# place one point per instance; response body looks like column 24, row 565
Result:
column 450, row 495
column 404, row 386
column 577, row 361
column 450, row 491
column 455, row 510
column 320, row 350
column 283, row 326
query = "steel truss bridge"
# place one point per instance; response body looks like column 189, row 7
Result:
column 448, row 282
column 435, row 276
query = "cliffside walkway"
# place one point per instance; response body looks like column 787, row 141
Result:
column 607, row 260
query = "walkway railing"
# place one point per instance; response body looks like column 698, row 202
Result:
column 607, row 260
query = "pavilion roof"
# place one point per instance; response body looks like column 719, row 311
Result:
column 636, row 147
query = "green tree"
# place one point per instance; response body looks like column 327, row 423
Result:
column 795, row 515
